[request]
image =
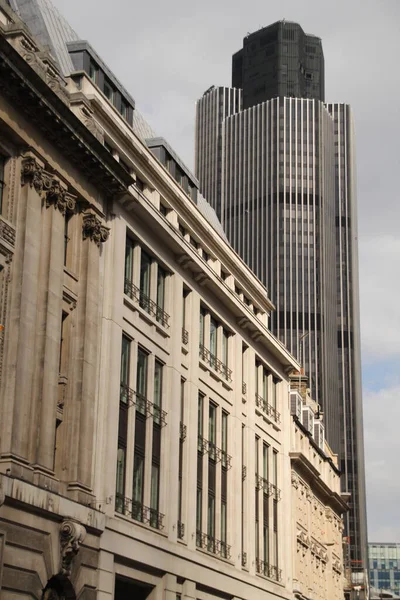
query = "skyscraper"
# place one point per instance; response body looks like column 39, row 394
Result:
column 278, row 167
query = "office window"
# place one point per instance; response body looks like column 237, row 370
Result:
column 108, row 90
column 217, row 352
column 94, row 72
column 123, row 424
column 161, row 279
column 145, row 266
column 124, row 109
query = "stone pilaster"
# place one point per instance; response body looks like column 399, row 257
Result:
column 83, row 414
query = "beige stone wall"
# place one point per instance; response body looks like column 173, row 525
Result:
column 318, row 570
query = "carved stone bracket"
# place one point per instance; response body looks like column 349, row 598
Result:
column 94, row 229
column 295, row 481
column 72, row 534
column 49, row 187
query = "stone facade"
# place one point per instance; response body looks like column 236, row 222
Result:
column 144, row 416
column 319, row 571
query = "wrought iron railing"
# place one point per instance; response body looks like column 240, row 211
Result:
column 215, row 453
column 185, row 336
column 137, row 511
column 270, row 489
column 244, row 388
column 215, row 363
column 244, row 472
column 146, row 303
column 182, row 431
column 244, row 559
column 143, row 406
column 211, row 544
column 181, row 530
column 264, row 568
column 268, row 409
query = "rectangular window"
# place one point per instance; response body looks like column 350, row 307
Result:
column 200, row 416
column 161, row 277
column 124, row 109
column 129, row 248
column 275, row 505
column 108, row 90
column 141, row 381
column 158, row 370
column 212, row 416
column 94, row 72
column 213, row 337
column 225, row 342
column 145, row 269
column 125, row 362
column 202, row 320
column 138, row 485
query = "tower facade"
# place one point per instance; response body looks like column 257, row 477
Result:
column 287, row 201
column 279, row 60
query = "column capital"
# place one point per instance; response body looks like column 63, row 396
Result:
column 94, row 229
column 47, row 185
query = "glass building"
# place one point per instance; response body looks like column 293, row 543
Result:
column 278, row 166
column 384, row 567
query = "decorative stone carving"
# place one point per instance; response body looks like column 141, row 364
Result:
column 94, row 229
column 48, row 186
column 7, row 233
column 295, row 481
column 72, row 534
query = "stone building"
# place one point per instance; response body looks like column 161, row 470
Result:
column 145, row 425
column 319, row 571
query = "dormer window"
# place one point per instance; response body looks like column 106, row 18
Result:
column 94, row 72
column 108, row 90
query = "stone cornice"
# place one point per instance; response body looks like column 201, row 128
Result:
column 30, row 82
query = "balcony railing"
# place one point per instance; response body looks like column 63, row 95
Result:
column 268, row 409
column 211, row 544
column 185, row 337
column 244, row 388
column 181, row 530
column 143, row 406
column 270, row 489
column 146, row 303
column 264, row 568
column 137, row 511
column 244, row 559
column 182, row 431
column 215, row 453
column 215, row 363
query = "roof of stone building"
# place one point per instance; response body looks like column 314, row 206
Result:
column 53, row 31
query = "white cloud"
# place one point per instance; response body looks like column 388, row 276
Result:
column 380, row 292
column 382, row 446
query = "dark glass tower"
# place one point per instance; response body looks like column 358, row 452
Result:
column 279, row 60
column 278, row 166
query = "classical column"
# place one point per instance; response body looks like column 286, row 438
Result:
column 81, row 434
column 17, row 413
column 57, row 202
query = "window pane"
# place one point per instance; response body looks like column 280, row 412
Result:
column 154, row 492
column 129, row 259
column 265, row 461
column 198, row 510
column 158, row 367
column 265, row 384
column 213, row 337
column 161, row 276
column 211, row 516
column 211, row 423
column 224, row 436
column 200, row 417
column 202, row 317
column 120, row 486
column 141, row 376
column 125, row 353
column 225, row 339
column 145, row 264
column 223, row 522
column 138, row 478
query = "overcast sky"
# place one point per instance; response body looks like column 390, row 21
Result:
column 168, row 53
